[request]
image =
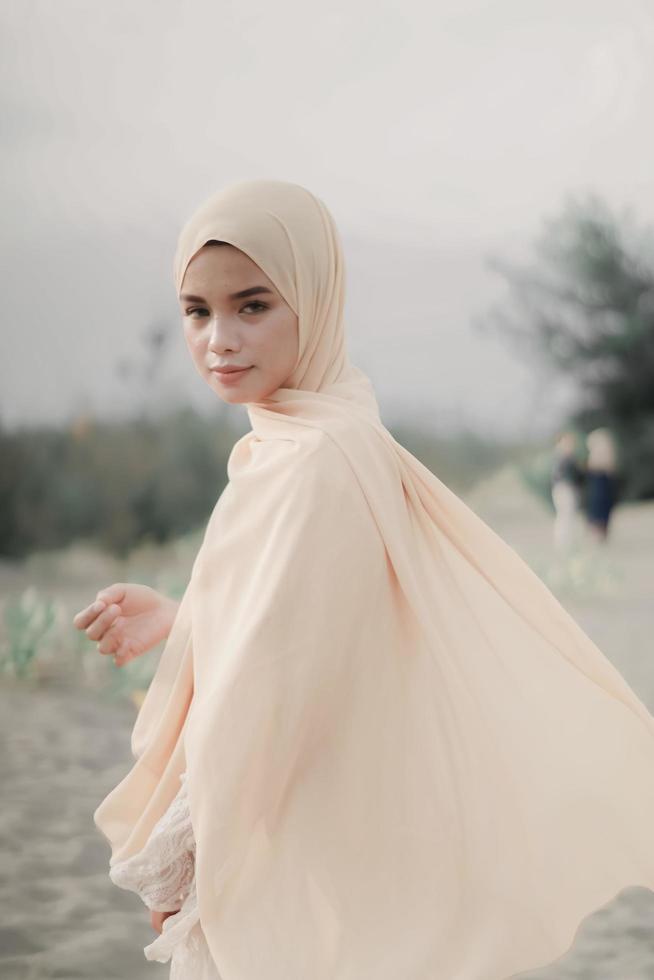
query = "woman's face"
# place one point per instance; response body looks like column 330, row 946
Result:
column 222, row 329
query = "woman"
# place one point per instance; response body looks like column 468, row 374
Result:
column 566, row 481
column 403, row 758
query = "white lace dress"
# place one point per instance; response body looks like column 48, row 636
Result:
column 162, row 873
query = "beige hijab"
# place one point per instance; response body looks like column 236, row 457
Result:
column 406, row 761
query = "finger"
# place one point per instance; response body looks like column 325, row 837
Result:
column 101, row 624
column 124, row 653
column 116, row 643
column 112, row 593
column 158, row 920
column 85, row 617
column 110, row 643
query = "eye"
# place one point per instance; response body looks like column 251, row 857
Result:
column 202, row 311
column 262, row 306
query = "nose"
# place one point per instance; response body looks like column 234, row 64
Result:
column 223, row 336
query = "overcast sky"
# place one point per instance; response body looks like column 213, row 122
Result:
column 437, row 133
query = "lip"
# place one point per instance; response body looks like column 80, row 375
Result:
column 229, row 373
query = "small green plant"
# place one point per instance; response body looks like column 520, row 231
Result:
column 30, row 621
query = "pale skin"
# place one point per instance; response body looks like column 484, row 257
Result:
column 258, row 332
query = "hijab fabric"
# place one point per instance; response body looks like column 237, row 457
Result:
column 405, row 760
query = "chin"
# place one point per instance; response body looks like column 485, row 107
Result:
column 233, row 395
column 242, row 394
column 237, row 397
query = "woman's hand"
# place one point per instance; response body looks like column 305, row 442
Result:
column 157, row 919
column 127, row 619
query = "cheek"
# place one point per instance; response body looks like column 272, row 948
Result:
column 195, row 343
column 279, row 342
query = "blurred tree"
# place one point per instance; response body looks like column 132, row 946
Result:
column 587, row 308
column 117, row 483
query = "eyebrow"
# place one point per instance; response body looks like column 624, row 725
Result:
column 252, row 291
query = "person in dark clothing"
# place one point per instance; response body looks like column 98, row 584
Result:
column 601, row 489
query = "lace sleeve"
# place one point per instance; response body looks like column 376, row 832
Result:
column 162, row 872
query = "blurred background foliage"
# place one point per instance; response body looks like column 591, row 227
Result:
column 585, row 308
column 115, row 484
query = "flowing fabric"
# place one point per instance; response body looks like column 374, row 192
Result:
column 405, row 760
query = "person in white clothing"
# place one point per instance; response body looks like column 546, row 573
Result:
column 566, row 482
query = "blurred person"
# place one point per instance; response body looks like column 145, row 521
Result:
column 601, row 481
column 566, row 481
column 374, row 737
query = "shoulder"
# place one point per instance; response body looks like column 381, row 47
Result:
column 291, row 496
column 304, row 458
column 302, row 478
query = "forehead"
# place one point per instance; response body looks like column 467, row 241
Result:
column 222, row 273
column 222, row 268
